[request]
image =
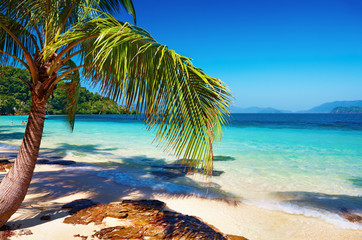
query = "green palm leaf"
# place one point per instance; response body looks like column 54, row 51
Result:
column 72, row 87
column 185, row 106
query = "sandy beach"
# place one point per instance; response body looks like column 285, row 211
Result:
column 55, row 185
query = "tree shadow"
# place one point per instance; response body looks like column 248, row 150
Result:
column 329, row 202
column 77, row 149
column 106, row 182
column 6, row 156
column 11, row 136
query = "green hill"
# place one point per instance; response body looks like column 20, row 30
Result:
column 15, row 97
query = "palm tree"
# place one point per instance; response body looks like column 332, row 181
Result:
column 64, row 41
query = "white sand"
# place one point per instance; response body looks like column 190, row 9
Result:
column 52, row 186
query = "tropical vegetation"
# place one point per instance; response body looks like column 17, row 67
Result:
column 69, row 40
column 15, row 97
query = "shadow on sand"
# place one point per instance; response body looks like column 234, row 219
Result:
column 329, row 202
column 49, row 190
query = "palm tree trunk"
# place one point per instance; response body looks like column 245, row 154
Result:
column 15, row 184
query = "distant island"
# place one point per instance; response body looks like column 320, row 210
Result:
column 15, row 97
column 257, row 110
column 330, row 107
column 353, row 109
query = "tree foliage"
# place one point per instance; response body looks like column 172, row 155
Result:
column 57, row 39
column 15, row 97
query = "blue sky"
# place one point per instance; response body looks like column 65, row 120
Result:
column 290, row 55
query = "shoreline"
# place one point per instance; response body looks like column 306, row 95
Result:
column 55, row 185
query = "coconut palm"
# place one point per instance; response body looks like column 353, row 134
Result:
column 69, row 40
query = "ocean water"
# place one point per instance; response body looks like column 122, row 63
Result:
column 308, row 164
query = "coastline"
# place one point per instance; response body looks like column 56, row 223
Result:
column 55, row 185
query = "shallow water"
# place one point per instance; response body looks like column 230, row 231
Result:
column 307, row 164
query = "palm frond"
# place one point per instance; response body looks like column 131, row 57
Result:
column 185, row 106
column 15, row 38
column 113, row 6
column 72, row 87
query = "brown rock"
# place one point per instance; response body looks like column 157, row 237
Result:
column 120, row 232
column 146, row 219
column 9, row 166
column 234, row 237
column 350, row 216
column 82, row 237
column 6, row 232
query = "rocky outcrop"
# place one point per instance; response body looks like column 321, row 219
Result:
column 145, row 219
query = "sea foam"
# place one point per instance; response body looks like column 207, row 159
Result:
column 291, row 208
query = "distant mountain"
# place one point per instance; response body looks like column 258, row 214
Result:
column 347, row 110
column 328, row 107
column 256, row 110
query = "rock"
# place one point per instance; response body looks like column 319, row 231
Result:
column 233, row 237
column 5, row 164
column 85, row 216
column 145, row 219
column 25, row 232
column 82, row 237
column 119, row 232
column 350, row 216
column 6, row 232
column 9, row 166
column 45, row 218
column 77, row 205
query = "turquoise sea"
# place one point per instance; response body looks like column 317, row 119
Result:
column 308, row 164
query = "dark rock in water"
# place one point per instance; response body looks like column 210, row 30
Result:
column 5, row 161
column 221, row 158
column 45, row 218
column 145, row 219
column 350, row 216
column 77, row 205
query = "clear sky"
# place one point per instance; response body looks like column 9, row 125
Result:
column 286, row 54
